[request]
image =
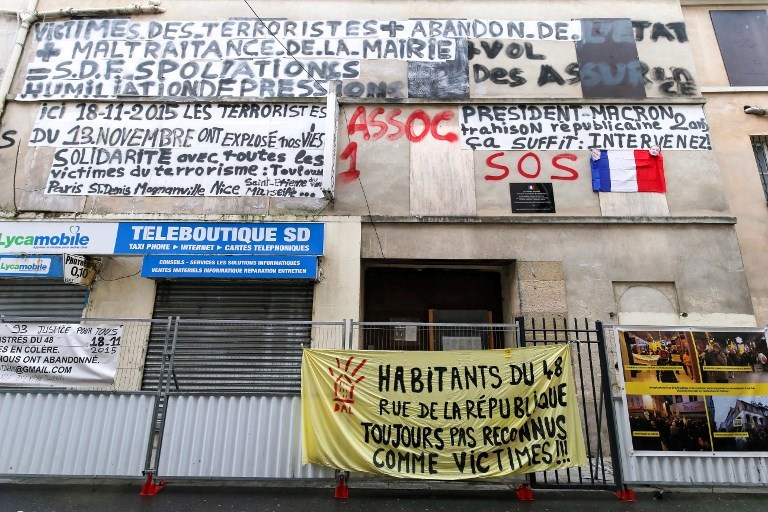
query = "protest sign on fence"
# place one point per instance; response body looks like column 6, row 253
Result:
column 441, row 415
column 58, row 355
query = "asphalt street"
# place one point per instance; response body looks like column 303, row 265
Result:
column 125, row 498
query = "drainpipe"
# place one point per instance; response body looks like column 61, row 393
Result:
column 30, row 15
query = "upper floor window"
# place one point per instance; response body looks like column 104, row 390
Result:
column 760, row 147
column 743, row 40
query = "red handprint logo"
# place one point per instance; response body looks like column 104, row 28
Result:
column 344, row 384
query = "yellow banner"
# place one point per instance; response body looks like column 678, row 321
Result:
column 441, row 415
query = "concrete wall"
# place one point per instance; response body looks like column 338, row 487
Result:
column 438, row 178
column 337, row 293
column 120, row 292
column 431, row 176
column 731, row 130
column 541, row 287
column 710, row 281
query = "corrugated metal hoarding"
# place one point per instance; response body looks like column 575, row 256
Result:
column 234, row 436
column 74, row 434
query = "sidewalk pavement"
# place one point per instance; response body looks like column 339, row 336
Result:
column 224, row 498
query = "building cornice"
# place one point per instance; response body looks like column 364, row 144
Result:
column 722, row 3
column 540, row 219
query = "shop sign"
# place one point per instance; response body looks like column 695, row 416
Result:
column 31, row 266
column 230, row 267
column 80, row 270
column 139, row 238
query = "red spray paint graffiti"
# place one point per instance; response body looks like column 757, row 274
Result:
column 494, row 162
column 416, row 127
column 378, row 123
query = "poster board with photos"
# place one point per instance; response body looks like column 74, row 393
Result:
column 694, row 391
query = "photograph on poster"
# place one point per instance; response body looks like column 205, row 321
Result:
column 739, row 423
column 670, row 423
column 658, row 356
column 732, row 356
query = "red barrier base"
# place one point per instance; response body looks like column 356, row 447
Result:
column 151, row 488
column 524, row 493
column 625, row 494
column 342, row 491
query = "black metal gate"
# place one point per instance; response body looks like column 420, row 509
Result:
column 592, row 379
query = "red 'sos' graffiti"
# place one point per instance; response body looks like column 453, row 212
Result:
column 493, row 162
column 344, row 384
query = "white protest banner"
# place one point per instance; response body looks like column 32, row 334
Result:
column 191, row 150
column 573, row 127
column 113, row 58
column 58, row 355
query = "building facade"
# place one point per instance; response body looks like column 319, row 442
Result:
column 727, row 40
column 450, row 154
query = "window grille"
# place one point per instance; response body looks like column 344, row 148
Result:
column 760, row 147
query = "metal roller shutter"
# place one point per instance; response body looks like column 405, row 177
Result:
column 215, row 356
column 42, row 297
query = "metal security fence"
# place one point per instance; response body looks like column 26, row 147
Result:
column 221, row 389
column 221, row 398
column 239, row 356
column 681, row 468
column 592, row 379
column 131, row 349
column 590, row 364
column 234, row 436
column 431, row 336
column 225, row 404
column 228, row 402
column 94, row 431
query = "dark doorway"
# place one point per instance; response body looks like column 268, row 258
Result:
column 408, row 294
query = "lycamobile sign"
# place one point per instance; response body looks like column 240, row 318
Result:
column 63, row 239
column 57, row 237
column 39, row 266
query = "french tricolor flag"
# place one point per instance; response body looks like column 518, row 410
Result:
column 627, row 171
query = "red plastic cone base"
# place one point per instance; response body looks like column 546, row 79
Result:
column 524, row 493
column 151, row 488
column 342, row 491
column 625, row 494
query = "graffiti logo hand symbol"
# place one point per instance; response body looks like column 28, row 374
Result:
column 344, row 384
